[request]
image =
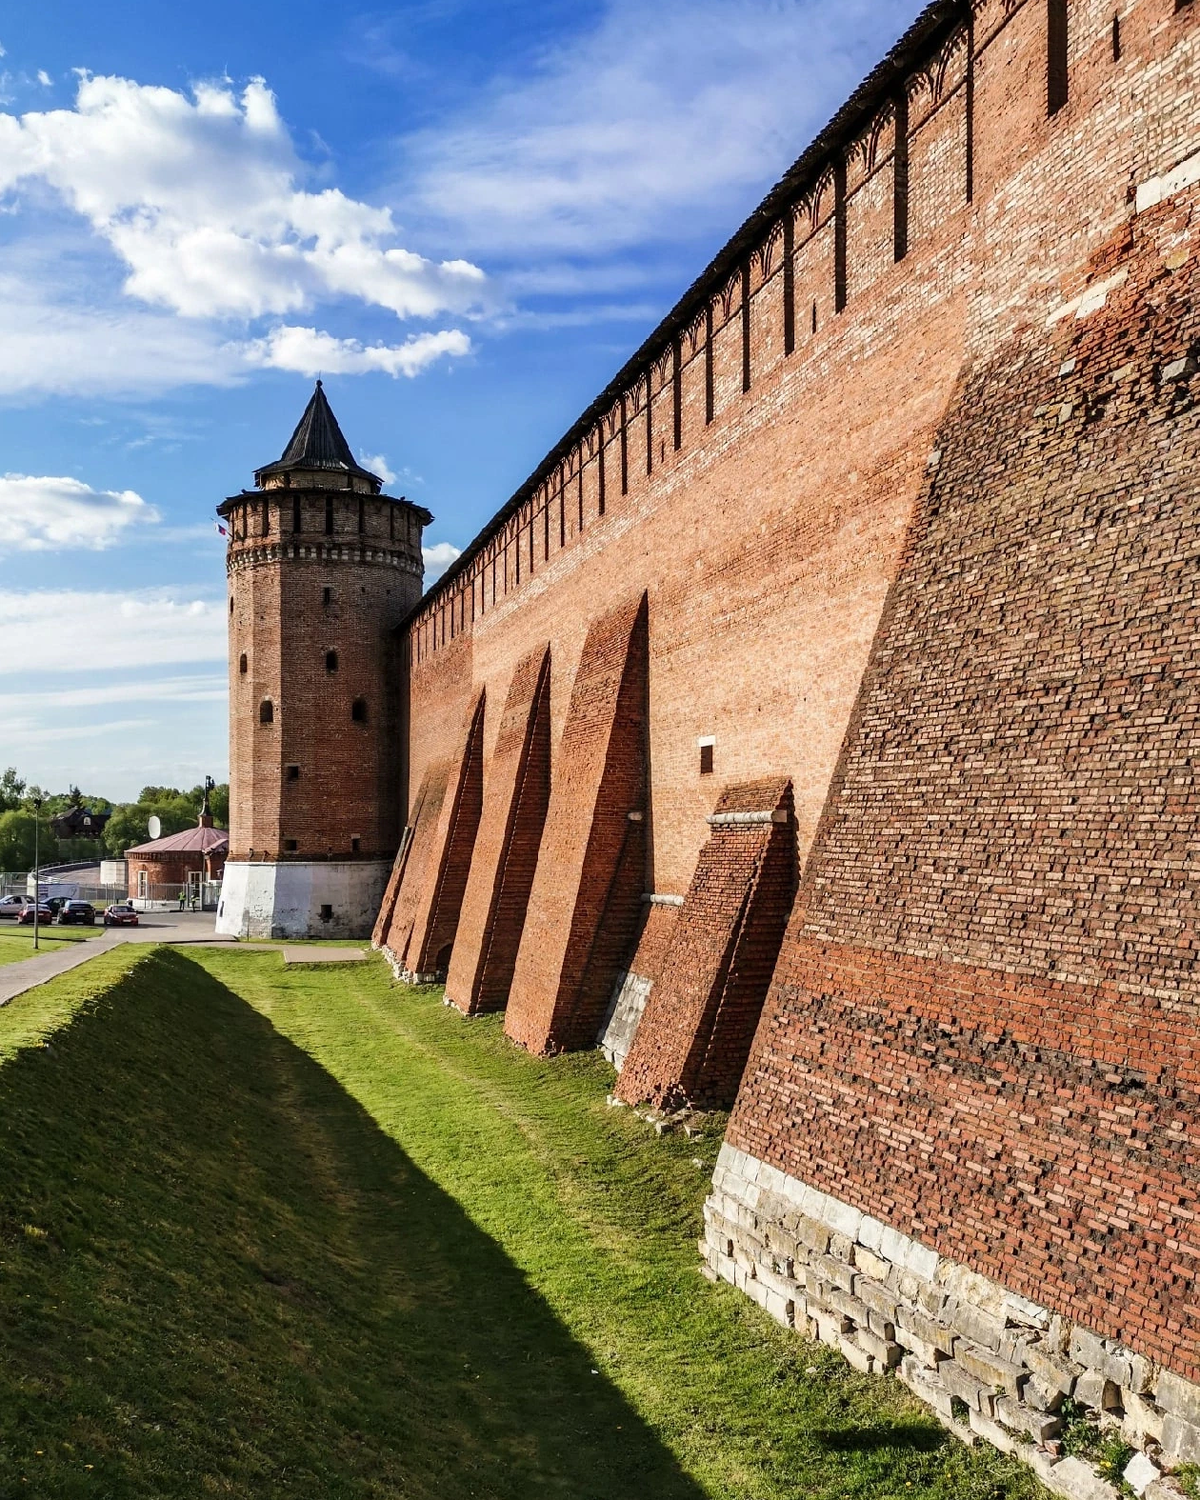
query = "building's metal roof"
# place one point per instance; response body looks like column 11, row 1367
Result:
column 932, row 27
column 318, row 443
column 199, row 840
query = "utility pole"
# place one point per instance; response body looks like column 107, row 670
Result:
column 37, row 882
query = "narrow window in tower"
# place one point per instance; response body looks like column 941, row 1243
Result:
column 624, row 449
column 243, row 664
column 293, row 773
column 745, row 327
column 328, row 515
column 600, row 473
column 231, row 606
column 266, row 712
column 708, row 365
column 1182, row 5
column 677, row 391
column 295, row 513
column 1057, row 80
column 266, row 518
column 355, row 845
column 970, row 104
column 840, row 277
column 814, row 315
column 706, row 757
column 900, row 179
column 1116, row 38
column 358, row 711
column 326, row 597
column 331, row 661
column 362, row 516
column 789, row 283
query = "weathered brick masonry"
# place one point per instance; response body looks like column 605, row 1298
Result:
column 898, row 507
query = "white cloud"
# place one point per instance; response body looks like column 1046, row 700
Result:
column 437, row 559
column 307, row 351
column 201, row 197
column 49, row 514
column 378, row 464
column 44, row 78
column 647, row 126
column 124, row 630
column 52, row 343
column 198, row 689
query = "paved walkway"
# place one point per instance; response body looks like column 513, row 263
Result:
column 155, row 927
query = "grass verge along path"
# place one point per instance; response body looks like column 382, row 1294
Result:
column 270, row 1233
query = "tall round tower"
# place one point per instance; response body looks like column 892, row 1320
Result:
column 322, row 567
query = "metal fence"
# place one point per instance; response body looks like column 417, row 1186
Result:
column 204, row 897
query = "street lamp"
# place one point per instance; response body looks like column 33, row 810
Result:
column 37, row 882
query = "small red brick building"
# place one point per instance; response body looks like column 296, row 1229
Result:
column 188, row 859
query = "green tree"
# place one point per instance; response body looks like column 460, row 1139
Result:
column 12, row 789
column 16, row 840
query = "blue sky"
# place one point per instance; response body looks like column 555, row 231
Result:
column 466, row 215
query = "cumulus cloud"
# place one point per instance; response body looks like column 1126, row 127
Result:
column 201, row 196
column 52, row 514
column 44, row 78
column 126, row 630
column 378, row 464
column 437, row 559
column 646, row 126
column 307, row 351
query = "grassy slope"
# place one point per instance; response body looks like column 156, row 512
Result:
column 17, row 943
column 267, row 1233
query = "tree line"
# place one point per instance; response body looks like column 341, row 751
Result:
column 128, row 825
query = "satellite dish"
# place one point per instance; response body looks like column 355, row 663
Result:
column 154, row 826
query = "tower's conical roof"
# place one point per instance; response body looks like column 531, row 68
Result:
column 318, row 443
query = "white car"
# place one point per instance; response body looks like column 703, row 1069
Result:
column 11, row 905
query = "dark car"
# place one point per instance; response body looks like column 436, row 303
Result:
column 120, row 914
column 44, row 915
column 79, row 913
column 56, row 904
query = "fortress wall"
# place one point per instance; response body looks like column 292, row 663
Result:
column 766, row 541
column 967, row 1122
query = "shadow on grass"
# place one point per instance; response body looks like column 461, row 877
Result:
column 915, row 1437
column 218, row 1276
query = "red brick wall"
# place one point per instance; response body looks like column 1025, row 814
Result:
column 699, row 1021
column 444, row 873
column 1000, row 761
column 585, row 902
column 988, row 990
column 506, row 850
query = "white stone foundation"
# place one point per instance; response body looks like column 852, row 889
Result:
column 620, row 1024
column 286, row 900
column 990, row 1363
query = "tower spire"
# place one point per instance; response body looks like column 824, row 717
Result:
column 319, row 443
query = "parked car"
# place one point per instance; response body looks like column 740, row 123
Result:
column 76, row 913
column 11, row 905
column 55, row 903
column 120, row 914
column 44, row 915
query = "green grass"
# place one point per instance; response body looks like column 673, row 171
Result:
column 268, row 1233
column 17, row 943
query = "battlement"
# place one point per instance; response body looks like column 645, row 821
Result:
column 916, row 194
